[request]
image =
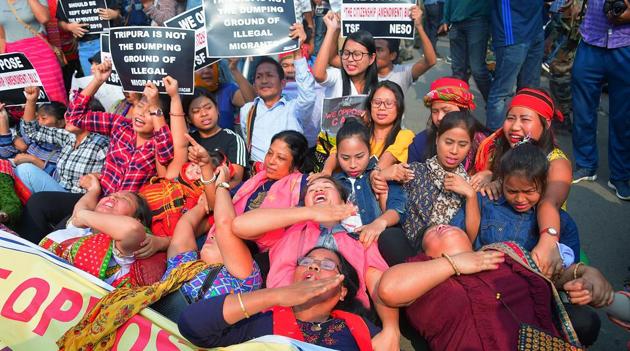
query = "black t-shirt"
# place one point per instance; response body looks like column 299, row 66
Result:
column 111, row 4
column 230, row 143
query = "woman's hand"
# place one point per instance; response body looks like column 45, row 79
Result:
column 491, row 190
column 101, row 72
column 416, row 15
column 311, row 177
column 480, row 179
column 296, row 31
column 379, row 183
column 171, row 85
column 152, row 94
column 77, row 29
column 386, row 340
column 31, row 94
column 90, row 182
column 332, row 213
column 151, row 245
column 371, row 232
column 197, row 153
column 547, row 257
column 303, row 291
column 591, row 288
column 108, row 14
column 24, row 158
column 399, row 172
column 332, row 21
column 457, row 184
column 475, row 262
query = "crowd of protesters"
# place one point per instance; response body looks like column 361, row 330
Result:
column 232, row 211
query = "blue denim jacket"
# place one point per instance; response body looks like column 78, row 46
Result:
column 366, row 200
column 500, row 222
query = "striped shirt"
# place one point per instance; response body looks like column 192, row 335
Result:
column 74, row 162
column 516, row 22
column 127, row 167
column 598, row 31
column 228, row 142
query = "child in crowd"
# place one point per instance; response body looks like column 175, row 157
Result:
column 439, row 185
column 16, row 144
column 353, row 156
column 523, row 174
column 81, row 152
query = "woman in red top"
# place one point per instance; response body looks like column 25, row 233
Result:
column 459, row 299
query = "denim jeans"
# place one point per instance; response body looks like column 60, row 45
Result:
column 87, row 49
column 592, row 67
column 432, row 20
column 36, row 179
column 518, row 64
column 469, row 43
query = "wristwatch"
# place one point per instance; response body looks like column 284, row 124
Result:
column 224, row 185
column 157, row 113
column 550, row 230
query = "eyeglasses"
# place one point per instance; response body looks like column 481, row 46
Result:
column 388, row 103
column 356, row 55
column 324, row 264
column 206, row 107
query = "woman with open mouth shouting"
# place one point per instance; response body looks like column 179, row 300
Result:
column 529, row 117
column 290, row 233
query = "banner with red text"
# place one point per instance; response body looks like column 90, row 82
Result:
column 382, row 18
column 41, row 297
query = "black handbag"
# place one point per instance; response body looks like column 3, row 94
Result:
column 172, row 305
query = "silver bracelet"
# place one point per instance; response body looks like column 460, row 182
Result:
column 207, row 182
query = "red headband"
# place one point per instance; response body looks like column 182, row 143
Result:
column 538, row 101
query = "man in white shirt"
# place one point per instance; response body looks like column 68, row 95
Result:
column 270, row 112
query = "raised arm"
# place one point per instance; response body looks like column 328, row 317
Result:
column 329, row 46
column 34, row 131
column 77, row 113
column 236, row 256
column 246, row 91
column 306, row 97
column 428, row 50
column 178, row 129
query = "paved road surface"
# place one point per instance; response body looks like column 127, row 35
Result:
column 603, row 219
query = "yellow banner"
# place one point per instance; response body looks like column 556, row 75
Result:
column 41, row 297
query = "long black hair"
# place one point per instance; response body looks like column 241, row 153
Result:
column 453, row 119
column 297, row 145
column 546, row 143
column 353, row 127
column 371, row 74
column 143, row 211
column 526, row 160
column 400, row 110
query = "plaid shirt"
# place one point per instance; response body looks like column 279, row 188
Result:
column 87, row 157
column 127, row 167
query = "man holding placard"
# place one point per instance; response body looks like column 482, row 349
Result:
column 84, row 19
column 270, row 112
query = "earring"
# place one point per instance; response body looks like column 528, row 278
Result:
column 341, row 298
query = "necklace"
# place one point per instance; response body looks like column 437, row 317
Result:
column 317, row 326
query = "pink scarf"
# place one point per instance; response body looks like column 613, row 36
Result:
column 284, row 193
